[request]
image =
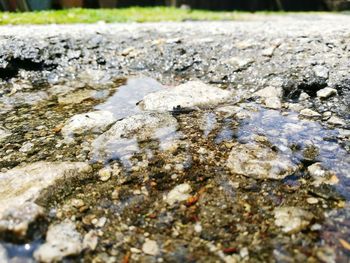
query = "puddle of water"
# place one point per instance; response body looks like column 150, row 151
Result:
column 22, row 253
column 124, row 101
column 286, row 131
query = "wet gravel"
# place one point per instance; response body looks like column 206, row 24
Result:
column 185, row 194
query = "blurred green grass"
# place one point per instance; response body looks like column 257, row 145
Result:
column 131, row 14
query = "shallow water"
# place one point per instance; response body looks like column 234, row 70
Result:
column 200, row 158
column 293, row 136
column 21, row 253
column 123, row 102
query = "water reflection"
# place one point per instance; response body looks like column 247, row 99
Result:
column 21, row 253
column 294, row 136
column 124, row 101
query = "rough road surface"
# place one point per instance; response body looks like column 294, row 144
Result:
column 176, row 142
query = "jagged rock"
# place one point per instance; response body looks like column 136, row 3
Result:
column 309, row 113
column 273, row 103
column 21, row 186
column 269, row 92
column 326, row 93
column 270, row 97
column 190, row 94
column 259, row 162
column 62, row 240
column 120, row 141
column 95, row 122
column 334, row 120
column 292, row 219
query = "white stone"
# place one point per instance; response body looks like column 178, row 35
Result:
column 26, row 147
column 295, row 107
column 105, row 174
column 244, row 252
column 95, row 122
column 268, row 92
column 239, row 63
column 292, row 219
column 90, row 240
column 303, row 96
column 198, row 227
column 259, row 162
column 321, row 71
column 268, row 52
column 21, row 186
column 190, row 94
column 316, row 170
column 120, row 141
column 150, row 247
column 273, row 103
column 309, row 113
column 62, row 240
column 326, row 93
column 312, row 200
column 321, row 175
column 178, row 194
column 334, row 120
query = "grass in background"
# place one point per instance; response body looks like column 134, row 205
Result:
column 132, row 14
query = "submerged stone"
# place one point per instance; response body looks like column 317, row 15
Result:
column 259, row 162
column 292, row 219
column 95, row 122
column 80, row 95
column 21, row 186
column 121, row 140
column 321, row 175
column 62, row 240
column 124, row 101
column 190, row 94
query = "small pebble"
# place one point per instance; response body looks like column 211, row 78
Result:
column 150, row 247
column 104, row 174
column 312, row 200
